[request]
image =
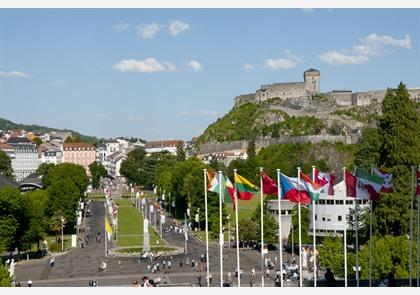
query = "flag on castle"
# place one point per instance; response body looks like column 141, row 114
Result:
column 326, row 180
column 269, row 185
column 245, row 189
column 418, row 183
column 293, row 192
column 387, row 186
column 228, row 189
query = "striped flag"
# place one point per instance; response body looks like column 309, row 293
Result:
column 245, row 188
column 387, row 186
column 368, row 186
column 326, row 180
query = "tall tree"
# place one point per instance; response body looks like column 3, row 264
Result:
column 305, row 219
column 97, row 170
column 367, row 149
column 37, row 140
column 68, row 139
column 180, row 152
column 270, row 224
column 5, row 165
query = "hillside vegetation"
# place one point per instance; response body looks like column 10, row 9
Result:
column 7, row 125
column 255, row 120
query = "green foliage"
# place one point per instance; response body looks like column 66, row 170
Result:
column 320, row 97
column 37, row 141
column 5, row 279
column 97, row 170
column 5, row 165
column 43, row 170
column 64, row 197
column 388, row 253
column 35, row 206
column 180, row 152
column 251, row 149
column 367, row 149
column 270, row 224
column 68, row 139
column 359, row 113
column 249, row 231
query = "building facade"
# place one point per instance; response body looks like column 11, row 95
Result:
column 163, row 145
column 79, row 153
column 52, row 157
column 286, row 215
column 26, row 159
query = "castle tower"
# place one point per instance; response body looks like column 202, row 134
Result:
column 311, row 78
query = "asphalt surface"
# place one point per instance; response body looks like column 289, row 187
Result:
column 79, row 265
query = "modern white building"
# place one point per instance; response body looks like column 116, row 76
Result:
column 332, row 211
column 52, row 157
column 26, row 160
column 115, row 161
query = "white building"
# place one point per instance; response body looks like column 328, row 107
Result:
column 330, row 211
column 26, row 160
column 52, row 157
column 286, row 215
column 115, row 161
column 163, row 145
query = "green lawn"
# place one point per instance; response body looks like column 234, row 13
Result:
column 95, row 196
column 130, row 226
column 245, row 209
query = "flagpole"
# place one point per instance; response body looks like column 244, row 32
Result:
column 262, row 229
column 357, row 241
column 105, row 240
column 313, row 228
column 237, row 230
column 220, row 228
column 300, row 233
column 370, row 236
column 411, row 221
column 207, row 228
column 345, row 227
column 280, row 240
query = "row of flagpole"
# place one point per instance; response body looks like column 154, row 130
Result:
column 279, row 192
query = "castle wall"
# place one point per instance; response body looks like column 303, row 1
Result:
column 244, row 98
column 281, row 90
column 342, row 98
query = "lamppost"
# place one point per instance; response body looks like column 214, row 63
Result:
column 62, row 233
column 228, row 218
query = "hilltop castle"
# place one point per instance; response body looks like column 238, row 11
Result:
column 310, row 87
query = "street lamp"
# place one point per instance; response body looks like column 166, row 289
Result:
column 228, row 218
column 62, row 233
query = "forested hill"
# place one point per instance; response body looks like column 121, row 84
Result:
column 7, row 125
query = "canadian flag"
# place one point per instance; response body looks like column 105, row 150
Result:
column 418, row 183
column 326, row 180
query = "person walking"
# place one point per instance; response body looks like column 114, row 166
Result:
column 52, row 261
column 253, row 273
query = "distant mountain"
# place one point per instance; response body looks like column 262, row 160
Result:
column 7, row 125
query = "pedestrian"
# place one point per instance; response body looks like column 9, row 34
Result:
column 199, row 280
column 180, row 263
column 157, row 267
column 192, row 262
column 30, row 283
column 148, row 268
column 99, row 237
column 253, row 273
column 52, row 260
column 229, row 277
column 267, row 273
column 164, row 265
column 187, row 261
column 169, row 264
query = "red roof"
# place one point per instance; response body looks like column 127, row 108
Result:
column 73, row 145
column 5, row 146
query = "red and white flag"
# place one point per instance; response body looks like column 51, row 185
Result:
column 387, row 186
column 326, row 180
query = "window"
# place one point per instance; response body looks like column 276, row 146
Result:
column 340, row 218
column 330, row 202
column 323, row 218
column 339, row 202
column 349, row 202
column 316, row 217
column 321, row 202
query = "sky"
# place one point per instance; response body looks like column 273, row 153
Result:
column 169, row 73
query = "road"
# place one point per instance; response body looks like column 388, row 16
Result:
column 78, row 266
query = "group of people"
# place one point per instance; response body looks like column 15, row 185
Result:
column 166, row 267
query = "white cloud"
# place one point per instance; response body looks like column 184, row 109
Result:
column 198, row 113
column 121, row 26
column 135, row 118
column 14, row 74
column 371, row 46
column 289, row 62
column 177, row 27
column 148, row 31
column 148, row 65
column 248, row 66
column 195, row 65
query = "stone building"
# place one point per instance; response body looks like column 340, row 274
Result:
column 163, row 145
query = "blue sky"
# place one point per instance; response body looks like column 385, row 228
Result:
column 169, row 73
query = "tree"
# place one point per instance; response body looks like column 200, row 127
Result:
column 97, row 170
column 248, row 231
column 132, row 168
column 251, row 148
column 180, row 152
column 64, row 196
column 305, row 219
column 367, row 149
column 270, row 224
column 5, row 165
column 68, row 140
column 37, row 141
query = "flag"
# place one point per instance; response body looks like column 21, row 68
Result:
column 418, row 183
column 351, row 183
column 186, row 228
column 269, row 185
column 326, row 180
column 311, row 187
column 108, row 229
column 245, row 188
column 369, row 183
column 292, row 191
column 387, row 186
column 228, row 190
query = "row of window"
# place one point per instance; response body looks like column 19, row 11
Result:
column 341, row 202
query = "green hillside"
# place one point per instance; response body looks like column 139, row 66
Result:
column 6, row 125
column 249, row 120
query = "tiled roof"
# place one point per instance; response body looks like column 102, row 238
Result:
column 77, row 145
column 5, row 146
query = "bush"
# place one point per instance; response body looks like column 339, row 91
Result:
column 55, row 248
